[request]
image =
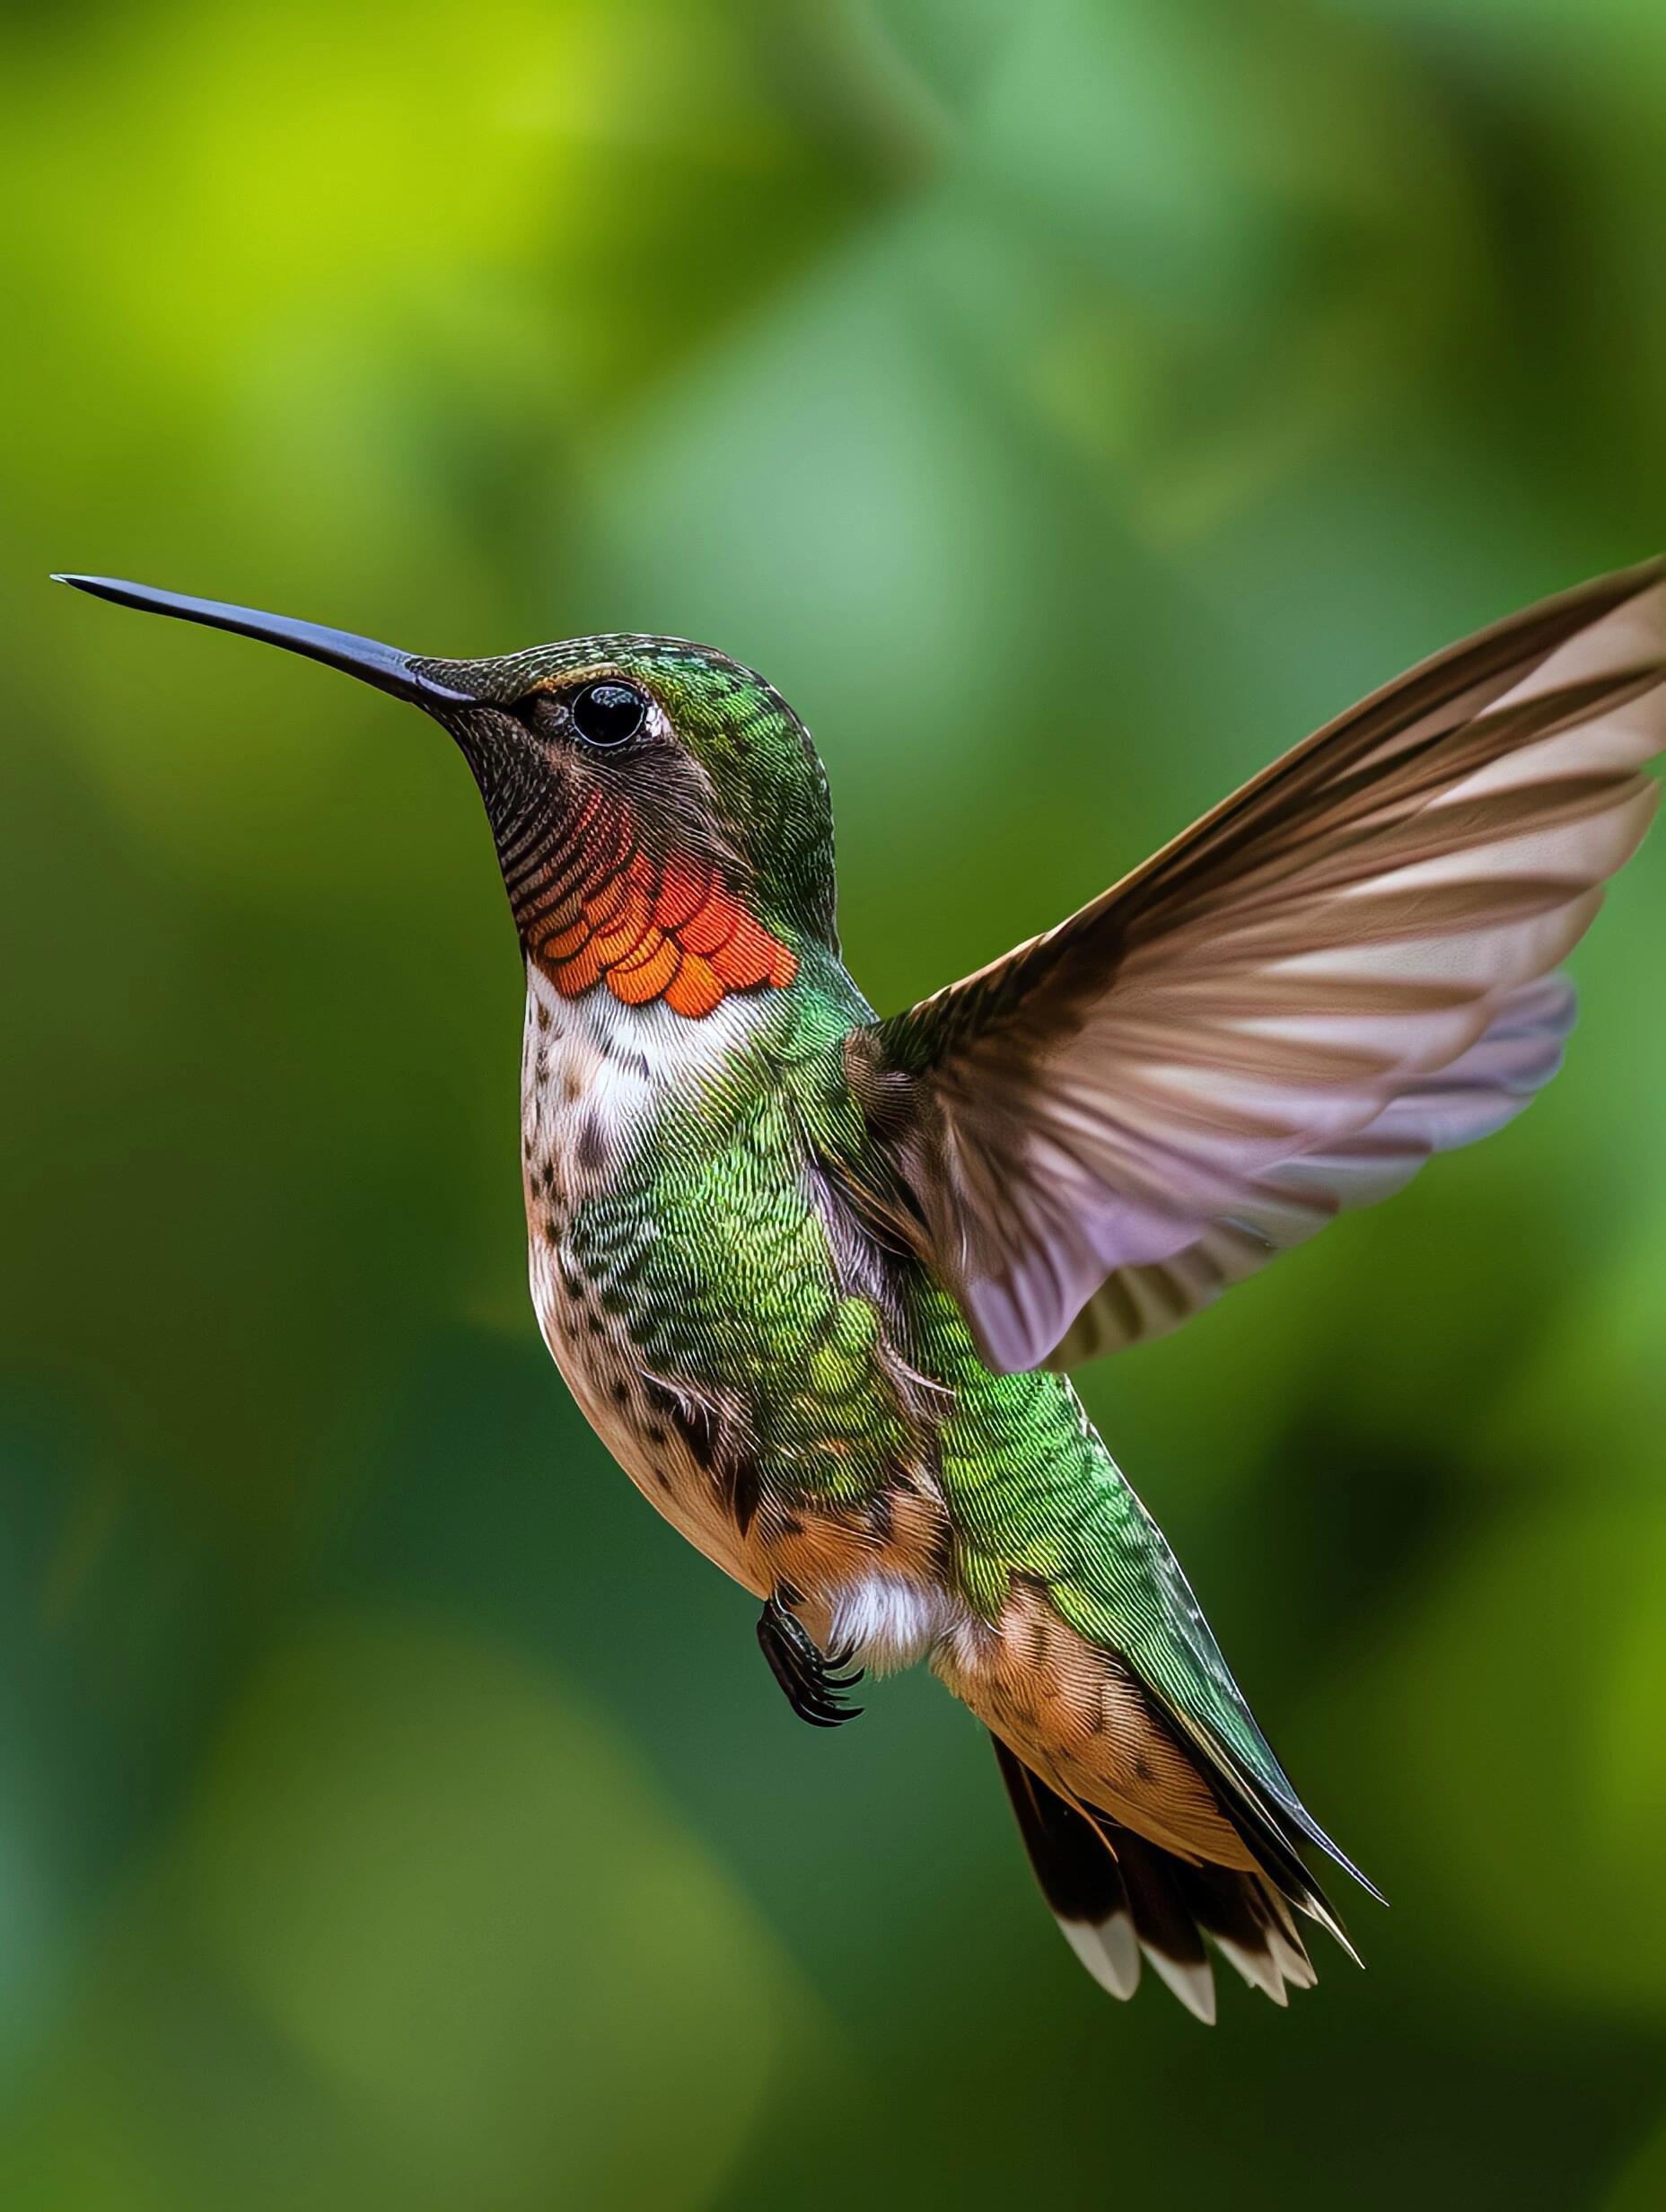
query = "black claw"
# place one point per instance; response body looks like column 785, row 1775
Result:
column 811, row 1682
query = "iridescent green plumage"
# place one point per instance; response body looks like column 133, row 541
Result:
column 719, row 1243
column 805, row 1270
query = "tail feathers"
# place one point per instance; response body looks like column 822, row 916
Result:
column 1119, row 1899
column 1247, row 1920
column 1287, row 1877
column 1079, row 1878
column 1169, row 1934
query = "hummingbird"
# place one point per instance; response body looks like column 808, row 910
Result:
column 814, row 1276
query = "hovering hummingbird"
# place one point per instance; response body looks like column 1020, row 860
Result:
column 809, row 1273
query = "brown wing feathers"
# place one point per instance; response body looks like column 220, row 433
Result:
column 1344, row 968
column 1470, row 1098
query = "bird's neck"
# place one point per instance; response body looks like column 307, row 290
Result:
column 605, row 1082
column 578, row 1044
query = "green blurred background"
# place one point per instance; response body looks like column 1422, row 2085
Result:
column 1068, row 404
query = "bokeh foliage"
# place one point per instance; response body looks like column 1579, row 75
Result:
column 1067, row 404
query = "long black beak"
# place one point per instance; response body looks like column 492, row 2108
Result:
column 382, row 666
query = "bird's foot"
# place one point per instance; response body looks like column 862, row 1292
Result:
column 813, row 1682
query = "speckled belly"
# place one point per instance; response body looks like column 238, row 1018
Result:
column 614, row 1238
column 581, row 1094
column 640, row 1422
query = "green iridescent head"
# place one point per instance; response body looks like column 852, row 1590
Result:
column 709, row 756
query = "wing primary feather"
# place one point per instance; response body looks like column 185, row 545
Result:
column 1342, row 969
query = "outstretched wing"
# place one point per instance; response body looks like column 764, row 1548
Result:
column 1345, row 967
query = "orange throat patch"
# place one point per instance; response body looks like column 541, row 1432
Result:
column 608, row 912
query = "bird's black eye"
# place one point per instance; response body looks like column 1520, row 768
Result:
column 607, row 713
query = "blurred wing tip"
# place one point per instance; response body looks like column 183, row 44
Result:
column 1650, row 569
column 1618, row 587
